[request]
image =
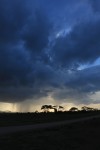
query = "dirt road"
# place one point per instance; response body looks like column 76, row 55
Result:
column 42, row 126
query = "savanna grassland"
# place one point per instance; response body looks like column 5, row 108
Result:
column 83, row 135
column 16, row 119
column 77, row 136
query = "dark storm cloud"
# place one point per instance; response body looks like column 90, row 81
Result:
column 12, row 19
column 95, row 5
column 36, row 32
column 80, row 46
column 86, row 80
column 30, row 65
column 22, row 31
column 80, row 85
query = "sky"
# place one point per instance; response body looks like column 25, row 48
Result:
column 49, row 53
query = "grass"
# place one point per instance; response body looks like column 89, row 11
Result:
column 77, row 136
column 16, row 119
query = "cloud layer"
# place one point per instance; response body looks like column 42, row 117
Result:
column 42, row 46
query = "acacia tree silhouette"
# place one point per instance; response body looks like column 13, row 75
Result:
column 60, row 108
column 55, row 108
column 85, row 108
column 73, row 109
column 46, row 108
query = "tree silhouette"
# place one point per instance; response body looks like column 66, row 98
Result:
column 60, row 108
column 36, row 111
column 46, row 108
column 73, row 109
column 85, row 108
column 55, row 108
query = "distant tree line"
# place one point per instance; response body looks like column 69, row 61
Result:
column 47, row 108
column 84, row 108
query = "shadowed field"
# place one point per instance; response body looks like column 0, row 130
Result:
column 15, row 119
column 77, row 136
column 83, row 135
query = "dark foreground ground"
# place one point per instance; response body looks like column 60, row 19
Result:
column 17, row 119
column 77, row 136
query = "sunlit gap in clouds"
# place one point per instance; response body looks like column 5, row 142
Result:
column 95, row 63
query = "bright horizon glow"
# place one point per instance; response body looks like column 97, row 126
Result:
column 6, row 107
column 32, row 106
